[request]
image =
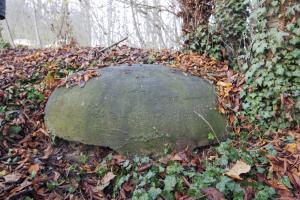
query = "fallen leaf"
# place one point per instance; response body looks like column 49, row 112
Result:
column 145, row 167
column 119, row 159
column 212, row 193
column 56, row 175
column 127, row 187
column 277, row 184
column 12, row 178
column 81, row 83
column 224, row 84
column 292, row 147
column 34, row 169
column 238, row 168
column 47, row 152
column 23, row 185
column 107, row 178
column 3, row 173
column 176, row 157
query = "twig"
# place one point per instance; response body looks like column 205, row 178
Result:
column 81, row 194
column 145, row 167
column 114, row 44
column 199, row 115
column 186, row 182
column 17, row 195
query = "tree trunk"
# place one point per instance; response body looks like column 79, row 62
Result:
column 37, row 34
column 9, row 32
column 86, row 9
column 136, row 26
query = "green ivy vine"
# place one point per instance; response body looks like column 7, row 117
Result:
column 205, row 41
column 226, row 36
column 262, row 39
column 3, row 43
column 271, row 93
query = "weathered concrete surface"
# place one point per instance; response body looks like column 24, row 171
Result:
column 136, row 109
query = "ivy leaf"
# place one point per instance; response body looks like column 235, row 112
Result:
column 213, row 193
column 120, row 182
column 14, row 130
column 210, row 136
column 140, row 194
column 259, row 80
column 261, row 47
column 298, row 103
column 154, row 192
column 174, row 168
column 222, row 184
column 279, row 69
column 286, row 181
column 169, row 182
column 274, row 3
column 271, row 150
column 295, row 53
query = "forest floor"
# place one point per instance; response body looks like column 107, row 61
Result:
column 35, row 165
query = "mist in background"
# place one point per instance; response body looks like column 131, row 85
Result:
column 50, row 23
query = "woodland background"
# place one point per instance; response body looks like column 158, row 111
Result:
column 250, row 50
column 45, row 23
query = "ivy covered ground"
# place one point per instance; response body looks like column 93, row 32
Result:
column 250, row 164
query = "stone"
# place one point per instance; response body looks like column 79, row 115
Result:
column 137, row 109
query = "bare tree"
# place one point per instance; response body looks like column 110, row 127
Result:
column 10, row 35
column 148, row 23
column 64, row 32
column 37, row 34
column 136, row 25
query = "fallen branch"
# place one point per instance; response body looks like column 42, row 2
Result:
column 114, row 44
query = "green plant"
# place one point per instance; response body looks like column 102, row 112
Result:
column 52, row 185
column 83, row 159
column 272, row 89
column 3, row 43
column 227, row 34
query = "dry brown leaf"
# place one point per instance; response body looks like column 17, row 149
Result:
column 23, row 185
column 176, row 157
column 3, row 173
column 34, row 168
column 47, row 152
column 12, row 178
column 107, row 178
column 238, row 168
column 213, row 194
column 277, row 184
column 128, row 186
column 292, row 147
column 119, row 159
column 224, row 84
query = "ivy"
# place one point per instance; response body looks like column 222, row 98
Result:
column 262, row 39
column 226, row 35
column 231, row 23
column 272, row 77
column 3, row 44
column 206, row 41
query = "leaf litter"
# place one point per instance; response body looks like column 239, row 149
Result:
column 35, row 164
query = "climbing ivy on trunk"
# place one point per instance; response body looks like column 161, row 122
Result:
column 224, row 36
column 231, row 23
column 272, row 89
column 266, row 47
